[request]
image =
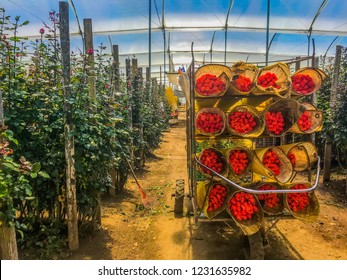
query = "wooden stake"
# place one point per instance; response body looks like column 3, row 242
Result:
column 115, row 54
column 134, row 70
column 154, row 82
column 116, row 87
column 130, row 109
column 8, row 242
column 141, row 88
column 127, row 71
column 89, row 50
column 160, row 79
column 68, row 126
column 332, row 104
column 140, row 75
column 148, row 97
column 2, row 118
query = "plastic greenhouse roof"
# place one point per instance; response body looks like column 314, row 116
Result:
column 126, row 23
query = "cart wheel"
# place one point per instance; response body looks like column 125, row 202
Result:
column 179, row 197
column 254, row 247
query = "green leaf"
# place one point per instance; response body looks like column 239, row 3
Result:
column 25, row 22
column 36, row 167
column 20, row 233
column 44, row 174
column 8, row 133
column 33, row 175
column 10, row 166
column 28, row 190
column 3, row 192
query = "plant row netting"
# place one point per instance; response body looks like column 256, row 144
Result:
column 33, row 198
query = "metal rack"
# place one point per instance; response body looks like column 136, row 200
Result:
column 195, row 103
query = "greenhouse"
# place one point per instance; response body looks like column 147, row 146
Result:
column 173, row 130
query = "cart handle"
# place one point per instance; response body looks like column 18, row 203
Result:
column 264, row 191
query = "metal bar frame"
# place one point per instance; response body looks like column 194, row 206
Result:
column 211, row 48
column 320, row 9
column 193, row 161
column 191, row 147
column 231, row 4
column 262, row 191
column 206, row 28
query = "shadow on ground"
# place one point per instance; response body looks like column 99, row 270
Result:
column 218, row 241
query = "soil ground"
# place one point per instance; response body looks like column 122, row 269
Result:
column 130, row 232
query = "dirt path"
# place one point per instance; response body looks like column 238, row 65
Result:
column 130, row 232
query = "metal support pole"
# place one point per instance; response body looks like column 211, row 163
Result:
column 313, row 99
column 211, row 48
column 231, row 3
column 164, row 36
column 267, row 32
column 297, row 67
column 225, row 45
column 308, row 47
column 150, row 39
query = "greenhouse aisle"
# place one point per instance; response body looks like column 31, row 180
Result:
column 130, row 232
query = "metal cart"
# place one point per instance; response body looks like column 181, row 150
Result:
column 253, row 244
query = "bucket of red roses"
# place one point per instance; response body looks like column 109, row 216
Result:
column 271, row 203
column 212, row 80
column 309, row 120
column 303, row 206
column 245, row 121
column 301, row 155
column 240, row 161
column 273, row 80
column 307, row 81
column 212, row 197
column 215, row 160
column 245, row 209
column 210, row 122
column 273, row 163
column 280, row 116
column 243, row 77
